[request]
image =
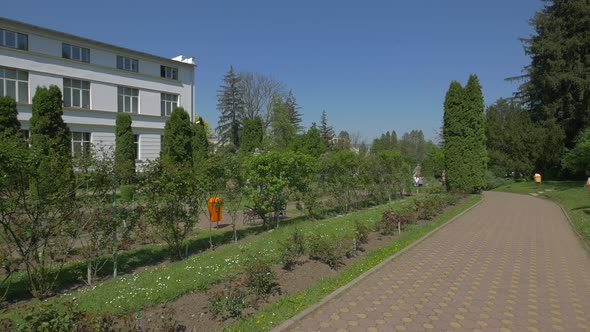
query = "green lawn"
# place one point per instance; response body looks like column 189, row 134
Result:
column 571, row 195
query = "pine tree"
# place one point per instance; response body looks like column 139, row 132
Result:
column 9, row 124
column 231, row 106
column 293, row 111
column 124, row 149
column 557, row 87
column 326, row 132
column 177, row 138
column 453, row 135
column 252, row 134
column 283, row 129
column 475, row 111
column 200, row 143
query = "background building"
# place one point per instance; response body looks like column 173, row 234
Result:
column 97, row 81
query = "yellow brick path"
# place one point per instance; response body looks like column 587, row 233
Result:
column 510, row 264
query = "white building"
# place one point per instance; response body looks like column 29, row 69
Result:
column 97, row 81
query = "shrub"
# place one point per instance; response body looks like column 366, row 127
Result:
column 128, row 193
column 291, row 248
column 229, row 300
column 387, row 225
column 361, row 233
column 330, row 250
column 260, row 277
column 429, row 207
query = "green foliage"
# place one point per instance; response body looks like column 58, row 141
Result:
column 9, row 124
column 343, row 141
column 342, row 177
column 493, row 181
column 291, row 248
column 464, row 137
column 200, row 144
column 329, row 250
column 390, row 174
column 413, row 146
column 124, row 149
column 578, row 159
column 231, row 299
column 252, row 134
column 177, row 138
column 231, row 106
column 557, row 87
column 48, row 130
column 326, row 131
column 310, row 143
column 260, row 277
column 174, row 199
column 386, row 142
column 433, row 164
column 293, row 111
column 128, row 193
column 361, row 232
column 389, row 221
column 283, row 129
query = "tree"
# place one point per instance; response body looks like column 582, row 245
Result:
column 326, row 131
column 257, row 93
column 311, row 143
column 464, row 137
column 433, row 164
column 48, row 129
column 200, row 143
column 578, row 158
column 252, row 134
column 412, row 146
column 124, row 149
column 340, row 173
column 231, row 106
column 177, row 138
column 343, row 141
column 293, row 111
column 283, row 129
column 9, row 124
column 557, row 87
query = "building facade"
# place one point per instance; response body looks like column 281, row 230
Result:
column 97, row 81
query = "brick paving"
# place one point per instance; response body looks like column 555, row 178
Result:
column 510, row 264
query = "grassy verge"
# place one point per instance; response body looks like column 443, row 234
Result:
column 571, row 195
column 288, row 306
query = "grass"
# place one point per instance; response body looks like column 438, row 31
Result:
column 138, row 290
column 571, row 195
column 286, row 307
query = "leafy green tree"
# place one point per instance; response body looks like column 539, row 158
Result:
column 293, row 111
column 252, row 134
column 433, row 164
column 557, row 87
column 174, row 200
column 177, row 138
column 326, row 131
column 578, row 158
column 231, row 106
column 412, row 146
column 390, row 173
column 386, row 142
column 200, row 143
column 343, row 141
column 310, row 143
column 9, row 124
column 283, row 129
column 271, row 177
column 340, row 171
column 124, row 149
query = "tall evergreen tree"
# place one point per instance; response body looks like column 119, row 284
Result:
column 200, row 143
column 177, row 138
column 9, row 124
column 48, row 129
column 252, row 134
column 293, row 111
column 557, row 87
column 231, row 106
column 124, row 149
column 326, row 131
column 478, row 156
column 283, row 130
column 454, row 138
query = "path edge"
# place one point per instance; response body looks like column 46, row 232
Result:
column 291, row 321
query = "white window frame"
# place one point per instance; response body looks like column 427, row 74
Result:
column 73, row 88
column 84, row 141
column 169, row 72
column 74, row 52
column 127, row 63
column 21, row 40
column 17, row 78
column 127, row 98
column 168, row 101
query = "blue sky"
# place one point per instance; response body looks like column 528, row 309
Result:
column 373, row 66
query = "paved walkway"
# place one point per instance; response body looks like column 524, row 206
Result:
column 510, row 264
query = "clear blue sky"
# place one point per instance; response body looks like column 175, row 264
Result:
column 372, row 65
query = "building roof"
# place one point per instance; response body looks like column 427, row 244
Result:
column 181, row 59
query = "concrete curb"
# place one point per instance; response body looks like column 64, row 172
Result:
column 291, row 321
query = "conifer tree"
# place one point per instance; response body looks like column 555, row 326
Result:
column 454, row 138
column 124, row 149
column 283, row 130
column 326, row 132
column 48, row 129
column 475, row 112
column 200, row 143
column 293, row 111
column 9, row 124
column 252, row 134
column 177, row 138
column 231, row 106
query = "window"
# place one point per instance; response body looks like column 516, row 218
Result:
column 126, row 63
column 136, row 145
column 167, row 103
column 127, row 100
column 76, row 93
column 75, row 52
column 14, row 83
column 14, row 40
column 80, row 144
column 169, row 72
